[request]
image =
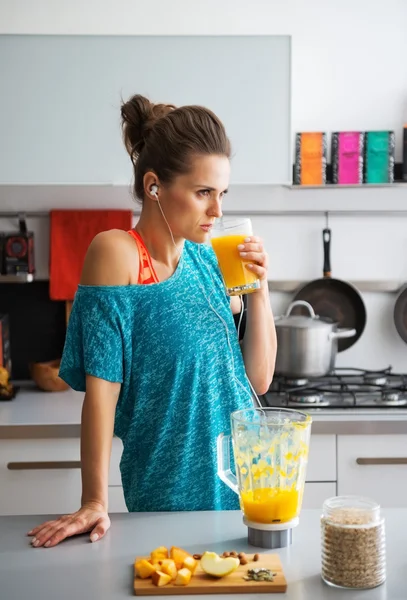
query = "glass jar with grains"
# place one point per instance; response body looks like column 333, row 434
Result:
column 352, row 543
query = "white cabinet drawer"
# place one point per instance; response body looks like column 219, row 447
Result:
column 39, row 476
column 316, row 493
column 44, row 477
column 374, row 466
column 116, row 500
column 322, row 458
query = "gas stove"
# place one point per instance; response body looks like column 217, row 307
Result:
column 342, row 388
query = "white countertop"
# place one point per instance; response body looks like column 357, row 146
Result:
column 103, row 570
column 33, row 413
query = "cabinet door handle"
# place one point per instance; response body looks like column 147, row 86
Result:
column 382, row 461
column 55, row 464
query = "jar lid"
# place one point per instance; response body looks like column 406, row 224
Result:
column 351, row 510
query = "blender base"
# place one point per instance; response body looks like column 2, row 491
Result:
column 271, row 536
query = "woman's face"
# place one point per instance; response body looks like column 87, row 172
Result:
column 192, row 202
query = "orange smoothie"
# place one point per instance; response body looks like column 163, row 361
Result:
column 268, row 505
column 231, row 264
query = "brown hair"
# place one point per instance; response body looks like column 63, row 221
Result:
column 164, row 139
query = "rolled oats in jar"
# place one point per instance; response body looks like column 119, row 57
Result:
column 353, row 550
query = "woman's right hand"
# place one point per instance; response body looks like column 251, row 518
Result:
column 91, row 517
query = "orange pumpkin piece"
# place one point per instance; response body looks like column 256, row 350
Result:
column 190, row 563
column 144, row 569
column 159, row 579
column 168, row 566
column 178, row 555
column 183, row 577
column 159, row 553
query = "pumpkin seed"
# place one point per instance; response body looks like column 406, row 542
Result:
column 260, row 574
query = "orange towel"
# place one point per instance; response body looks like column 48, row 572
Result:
column 71, row 233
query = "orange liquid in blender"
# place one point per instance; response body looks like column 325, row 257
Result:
column 267, row 505
column 231, row 264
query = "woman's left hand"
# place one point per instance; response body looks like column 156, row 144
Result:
column 253, row 251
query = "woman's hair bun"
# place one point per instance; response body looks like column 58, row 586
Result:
column 139, row 116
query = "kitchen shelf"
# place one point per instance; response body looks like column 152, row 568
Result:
column 329, row 185
column 363, row 285
column 22, row 278
column 346, row 186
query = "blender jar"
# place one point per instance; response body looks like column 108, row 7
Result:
column 271, row 448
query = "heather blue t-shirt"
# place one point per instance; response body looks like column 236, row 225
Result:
column 170, row 352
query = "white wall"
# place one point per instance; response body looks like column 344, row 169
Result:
column 347, row 55
column 347, row 73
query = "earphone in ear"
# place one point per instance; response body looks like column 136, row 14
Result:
column 154, row 192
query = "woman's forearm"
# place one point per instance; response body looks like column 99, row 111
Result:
column 96, row 439
column 260, row 342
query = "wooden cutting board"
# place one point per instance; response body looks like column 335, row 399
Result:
column 201, row 583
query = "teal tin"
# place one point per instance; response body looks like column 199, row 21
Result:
column 379, row 157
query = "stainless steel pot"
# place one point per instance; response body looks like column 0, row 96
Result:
column 307, row 346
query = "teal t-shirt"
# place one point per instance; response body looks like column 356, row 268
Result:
column 171, row 354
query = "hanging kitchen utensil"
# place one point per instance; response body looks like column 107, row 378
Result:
column 400, row 313
column 335, row 299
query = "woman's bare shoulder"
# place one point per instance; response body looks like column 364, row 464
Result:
column 111, row 259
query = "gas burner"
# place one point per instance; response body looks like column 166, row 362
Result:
column 295, row 382
column 375, row 378
column 307, row 398
column 392, row 398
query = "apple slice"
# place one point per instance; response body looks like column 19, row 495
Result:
column 217, row 566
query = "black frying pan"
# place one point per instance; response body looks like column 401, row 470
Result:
column 400, row 314
column 336, row 299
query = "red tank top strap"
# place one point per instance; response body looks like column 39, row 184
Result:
column 147, row 273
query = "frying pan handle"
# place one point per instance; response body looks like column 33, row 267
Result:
column 345, row 332
column 300, row 303
column 326, row 237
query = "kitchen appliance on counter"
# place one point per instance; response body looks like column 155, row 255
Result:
column 17, row 250
column 343, row 388
column 270, row 454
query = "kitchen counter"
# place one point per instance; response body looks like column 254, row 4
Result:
column 103, row 570
column 37, row 414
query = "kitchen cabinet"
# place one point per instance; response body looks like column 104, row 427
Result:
column 43, row 477
column 100, row 70
column 374, row 466
column 321, row 471
column 315, row 493
column 322, row 458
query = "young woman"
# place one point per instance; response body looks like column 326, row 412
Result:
column 151, row 337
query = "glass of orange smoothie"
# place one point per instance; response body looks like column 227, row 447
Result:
column 226, row 235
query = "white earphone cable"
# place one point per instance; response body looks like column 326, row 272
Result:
column 253, row 394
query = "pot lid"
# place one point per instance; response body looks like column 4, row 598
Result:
column 302, row 321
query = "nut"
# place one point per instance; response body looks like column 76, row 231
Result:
column 256, row 557
column 241, row 554
column 226, row 554
column 233, row 553
column 197, row 556
column 243, row 560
